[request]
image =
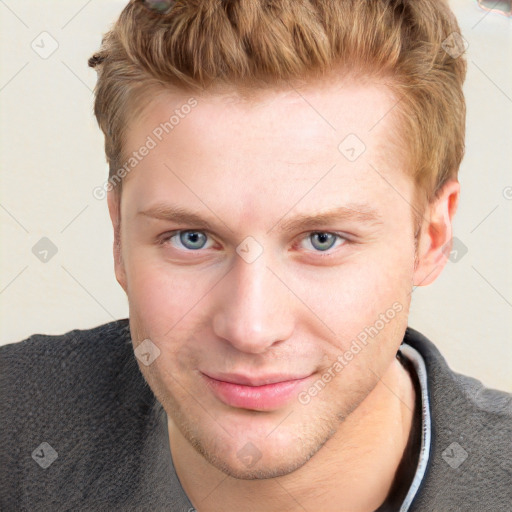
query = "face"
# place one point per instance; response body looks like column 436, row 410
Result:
column 268, row 255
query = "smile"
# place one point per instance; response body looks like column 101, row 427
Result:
column 265, row 397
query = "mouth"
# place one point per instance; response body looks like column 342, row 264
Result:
column 265, row 393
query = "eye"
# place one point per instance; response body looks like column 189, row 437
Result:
column 322, row 241
column 192, row 240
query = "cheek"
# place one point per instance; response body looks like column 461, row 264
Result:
column 351, row 295
column 166, row 308
column 365, row 307
column 159, row 297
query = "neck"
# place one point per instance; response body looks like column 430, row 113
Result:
column 354, row 470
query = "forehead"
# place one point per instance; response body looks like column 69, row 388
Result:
column 323, row 111
column 245, row 146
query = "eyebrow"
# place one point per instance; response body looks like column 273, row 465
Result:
column 361, row 213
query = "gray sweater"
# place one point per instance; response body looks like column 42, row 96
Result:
column 81, row 430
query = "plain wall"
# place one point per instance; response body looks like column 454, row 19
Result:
column 52, row 157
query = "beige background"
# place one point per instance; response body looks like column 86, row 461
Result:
column 52, row 158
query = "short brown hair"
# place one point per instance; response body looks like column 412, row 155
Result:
column 249, row 45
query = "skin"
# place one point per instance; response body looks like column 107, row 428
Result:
column 248, row 167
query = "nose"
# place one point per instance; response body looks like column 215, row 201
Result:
column 255, row 308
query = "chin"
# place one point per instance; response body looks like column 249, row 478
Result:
column 264, row 458
column 265, row 467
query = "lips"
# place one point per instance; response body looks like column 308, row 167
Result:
column 261, row 393
column 236, row 378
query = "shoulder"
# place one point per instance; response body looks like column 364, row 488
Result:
column 459, row 391
column 470, row 462
column 51, row 366
column 49, row 372
column 69, row 372
column 51, row 346
column 70, row 404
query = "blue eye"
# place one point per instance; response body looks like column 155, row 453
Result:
column 323, row 241
column 320, row 241
column 192, row 240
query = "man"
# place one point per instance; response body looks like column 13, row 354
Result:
column 281, row 176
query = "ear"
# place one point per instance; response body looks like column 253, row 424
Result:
column 114, row 209
column 435, row 238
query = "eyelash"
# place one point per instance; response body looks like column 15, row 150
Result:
column 166, row 237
